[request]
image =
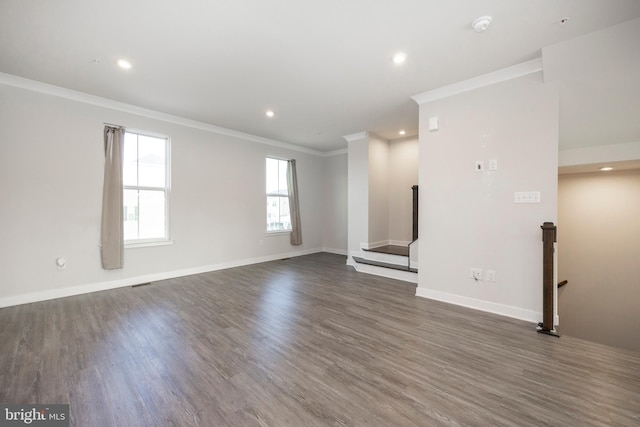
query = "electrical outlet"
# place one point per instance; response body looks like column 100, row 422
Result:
column 526, row 197
column 476, row 274
column 491, row 275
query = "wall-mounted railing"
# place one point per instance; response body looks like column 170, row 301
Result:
column 413, row 248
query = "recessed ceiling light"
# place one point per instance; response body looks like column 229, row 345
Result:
column 402, row 132
column 606, row 169
column 481, row 24
column 123, row 63
column 270, row 113
column 399, row 58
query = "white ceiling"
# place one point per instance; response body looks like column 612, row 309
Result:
column 324, row 67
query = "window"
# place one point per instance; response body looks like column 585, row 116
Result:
column 145, row 177
column 278, row 217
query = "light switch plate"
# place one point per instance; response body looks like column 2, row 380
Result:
column 433, row 123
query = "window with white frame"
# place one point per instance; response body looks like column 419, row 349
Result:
column 278, row 216
column 146, row 178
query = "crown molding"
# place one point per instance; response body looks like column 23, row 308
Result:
column 73, row 95
column 335, row 152
column 356, row 136
column 504, row 74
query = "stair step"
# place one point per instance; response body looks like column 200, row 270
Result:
column 385, row 264
column 382, row 257
column 390, row 249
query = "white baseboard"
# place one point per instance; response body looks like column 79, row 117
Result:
column 129, row 281
column 372, row 245
column 399, row 242
column 490, row 307
column 335, row 251
column 377, row 244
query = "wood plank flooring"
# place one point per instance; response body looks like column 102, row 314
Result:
column 303, row 342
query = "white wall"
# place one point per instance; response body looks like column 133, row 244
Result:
column 403, row 174
column 381, row 174
column 599, row 79
column 51, row 166
column 378, row 191
column 358, row 191
column 598, row 253
column 471, row 220
column 334, row 227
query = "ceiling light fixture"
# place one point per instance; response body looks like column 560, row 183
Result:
column 402, row 132
column 270, row 113
column 399, row 58
column 123, row 63
column 606, row 169
column 481, row 24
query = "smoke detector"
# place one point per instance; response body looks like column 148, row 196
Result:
column 481, row 24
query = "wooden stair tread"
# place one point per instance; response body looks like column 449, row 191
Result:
column 390, row 249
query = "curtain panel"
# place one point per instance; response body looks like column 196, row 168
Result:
column 294, row 205
column 111, row 229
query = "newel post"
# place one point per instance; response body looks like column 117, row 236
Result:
column 549, row 237
column 415, row 213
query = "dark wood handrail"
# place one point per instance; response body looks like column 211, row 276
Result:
column 415, row 213
column 414, row 237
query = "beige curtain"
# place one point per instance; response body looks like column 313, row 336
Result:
column 111, row 230
column 294, row 206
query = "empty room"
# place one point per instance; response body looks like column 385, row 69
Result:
column 361, row 213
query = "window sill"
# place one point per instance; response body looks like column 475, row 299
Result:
column 148, row 244
column 277, row 232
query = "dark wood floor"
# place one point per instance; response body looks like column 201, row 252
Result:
column 303, row 342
